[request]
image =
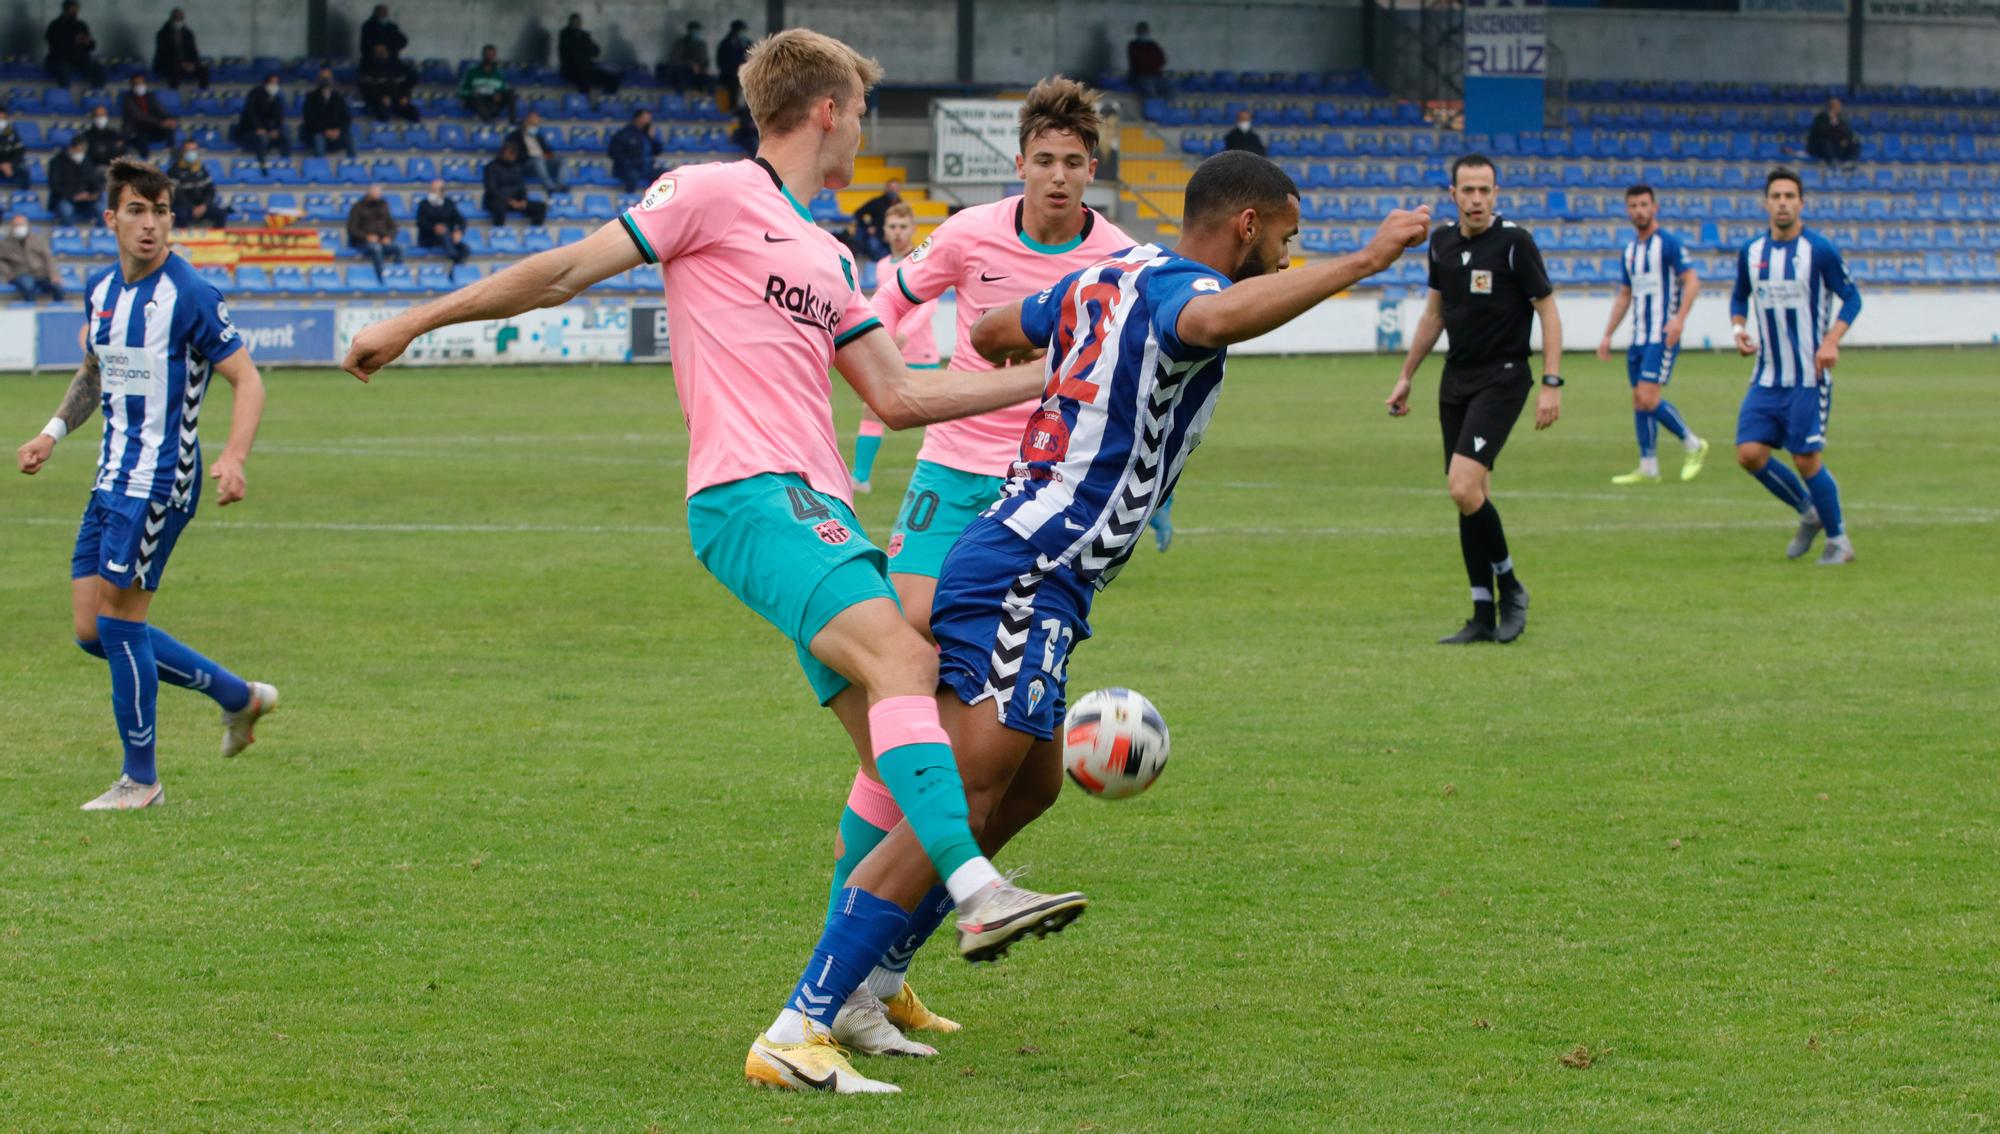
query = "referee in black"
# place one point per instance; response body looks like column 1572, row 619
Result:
column 1487, row 284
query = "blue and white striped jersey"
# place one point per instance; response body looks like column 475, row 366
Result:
column 1794, row 283
column 1653, row 268
column 156, row 340
column 1126, row 403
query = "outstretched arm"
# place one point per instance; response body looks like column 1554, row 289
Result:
column 1429, row 326
column 546, row 279
column 903, row 398
column 79, row 402
column 244, row 415
column 1258, row 306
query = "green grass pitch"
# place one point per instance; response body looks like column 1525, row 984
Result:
column 540, row 837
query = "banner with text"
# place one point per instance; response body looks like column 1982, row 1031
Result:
column 274, row 334
column 974, row 140
column 578, row 332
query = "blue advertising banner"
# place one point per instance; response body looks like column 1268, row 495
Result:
column 274, row 334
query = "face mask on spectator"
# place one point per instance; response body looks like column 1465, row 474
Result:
column 191, row 156
column 100, row 122
column 4, row 124
column 138, row 88
column 20, row 231
column 437, row 198
column 270, row 88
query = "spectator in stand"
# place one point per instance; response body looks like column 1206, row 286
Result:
column 635, row 153
column 76, row 186
column 537, row 147
column 147, row 120
column 1146, row 63
column 577, row 53
column 13, row 154
column 386, row 83
column 744, row 136
column 378, row 28
column 869, row 242
column 195, row 199
column 440, row 225
column 27, row 262
column 729, row 60
column 104, row 140
column 1243, row 137
column 261, row 127
column 176, row 59
column 325, row 122
column 372, row 231
column 1832, row 136
column 507, row 189
column 484, row 90
column 72, row 49
column 687, row 62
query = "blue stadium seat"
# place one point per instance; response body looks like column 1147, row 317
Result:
column 326, row 278
column 252, row 279
column 69, row 242
column 290, row 281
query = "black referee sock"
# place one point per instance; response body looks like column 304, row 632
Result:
column 1492, row 539
column 1478, row 570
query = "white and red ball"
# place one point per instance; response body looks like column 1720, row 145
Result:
column 1114, row 743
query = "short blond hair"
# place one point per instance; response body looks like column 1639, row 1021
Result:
column 901, row 210
column 785, row 74
column 1064, row 105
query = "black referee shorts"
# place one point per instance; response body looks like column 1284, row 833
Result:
column 1477, row 408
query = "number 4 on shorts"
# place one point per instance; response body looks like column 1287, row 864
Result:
column 807, row 506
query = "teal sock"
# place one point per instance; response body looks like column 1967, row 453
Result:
column 913, row 757
column 865, row 448
column 857, row 837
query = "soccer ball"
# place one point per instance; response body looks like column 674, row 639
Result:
column 1114, row 743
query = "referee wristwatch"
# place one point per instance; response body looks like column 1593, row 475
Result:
column 1552, row 380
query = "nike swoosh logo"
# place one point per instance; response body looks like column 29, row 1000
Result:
column 984, row 278
column 823, row 1084
column 769, row 239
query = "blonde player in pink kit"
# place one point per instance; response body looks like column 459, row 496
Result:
column 914, row 337
column 762, row 302
column 993, row 255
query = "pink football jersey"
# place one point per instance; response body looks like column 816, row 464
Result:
column 985, row 253
column 758, row 299
column 920, row 344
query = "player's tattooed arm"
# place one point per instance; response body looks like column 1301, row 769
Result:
column 80, row 401
column 77, row 404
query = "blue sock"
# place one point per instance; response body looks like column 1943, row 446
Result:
column 1648, row 431
column 181, row 666
column 135, row 691
column 924, row 920
column 859, row 929
column 1784, row 484
column 1669, row 419
column 1826, row 498
column 865, row 448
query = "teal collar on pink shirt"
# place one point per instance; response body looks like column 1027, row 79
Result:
column 1033, row 245
column 780, row 183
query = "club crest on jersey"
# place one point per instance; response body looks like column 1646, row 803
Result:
column 833, row 532
column 1482, row 283
column 661, row 192
column 895, row 544
column 1035, row 693
column 1047, row 438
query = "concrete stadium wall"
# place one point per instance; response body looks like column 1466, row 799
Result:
column 917, row 40
column 1769, row 48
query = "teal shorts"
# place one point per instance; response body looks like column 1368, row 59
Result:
column 940, row 504
column 794, row 555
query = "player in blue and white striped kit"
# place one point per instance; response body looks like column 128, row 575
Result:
column 1659, row 289
column 155, row 331
column 1795, row 277
column 1136, row 346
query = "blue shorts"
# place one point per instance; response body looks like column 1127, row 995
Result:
column 793, row 554
column 126, row 539
column 1653, row 362
column 1792, row 418
column 1005, row 625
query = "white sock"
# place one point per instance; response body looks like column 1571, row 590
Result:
column 1691, row 443
column 969, row 879
column 884, row 983
column 790, row 1028
column 1649, row 465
